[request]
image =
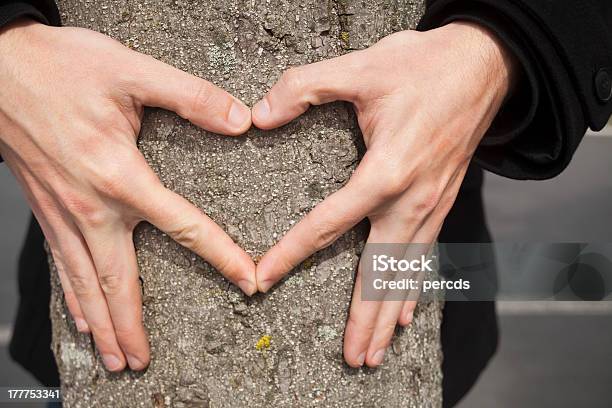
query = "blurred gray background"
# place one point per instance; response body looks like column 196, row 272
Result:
column 550, row 354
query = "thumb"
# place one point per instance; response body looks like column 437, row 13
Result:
column 314, row 84
column 195, row 99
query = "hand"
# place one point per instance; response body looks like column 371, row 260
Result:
column 423, row 102
column 71, row 103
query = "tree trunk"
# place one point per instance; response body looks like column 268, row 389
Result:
column 212, row 346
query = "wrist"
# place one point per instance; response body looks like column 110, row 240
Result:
column 12, row 32
column 497, row 65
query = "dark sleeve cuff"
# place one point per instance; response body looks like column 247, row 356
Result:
column 519, row 109
column 538, row 128
column 45, row 12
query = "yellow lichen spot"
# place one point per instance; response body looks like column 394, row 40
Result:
column 264, row 342
column 345, row 36
column 308, row 263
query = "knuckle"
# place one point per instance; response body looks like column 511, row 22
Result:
column 107, row 115
column 81, row 286
column 293, row 78
column 125, row 335
column 387, row 329
column 200, row 101
column 104, row 335
column 82, row 208
column 392, row 188
column 364, row 327
column 110, row 283
column 428, row 202
column 95, row 218
column 46, row 204
column 226, row 266
column 396, row 179
column 112, row 179
column 187, row 235
column 324, row 234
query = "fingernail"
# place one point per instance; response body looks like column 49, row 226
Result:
column 238, row 114
column 135, row 363
column 361, row 358
column 261, row 109
column 247, row 286
column 378, row 357
column 81, row 325
column 111, row 362
column 265, row 285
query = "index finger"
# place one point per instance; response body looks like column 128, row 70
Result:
column 190, row 227
column 317, row 230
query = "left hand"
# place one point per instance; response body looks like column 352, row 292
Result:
column 423, row 102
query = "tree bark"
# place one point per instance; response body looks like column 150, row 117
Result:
column 212, row 346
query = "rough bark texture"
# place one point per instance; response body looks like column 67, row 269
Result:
column 211, row 346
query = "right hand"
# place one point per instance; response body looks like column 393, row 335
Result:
column 71, row 103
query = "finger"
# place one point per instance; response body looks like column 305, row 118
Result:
column 371, row 325
column 28, row 183
column 391, row 309
column 374, row 320
column 428, row 233
column 322, row 82
column 318, row 229
column 69, row 296
column 190, row 227
column 360, row 325
column 431, row 228
column 83, row 279
column 72, row 253
column 112, row 251
column 195, row 99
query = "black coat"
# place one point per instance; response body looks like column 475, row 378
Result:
column 565, row 50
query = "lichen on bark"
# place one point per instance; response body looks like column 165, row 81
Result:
column 212, row 346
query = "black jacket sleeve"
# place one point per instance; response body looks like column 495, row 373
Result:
column 565, row 49
column 44, row 11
